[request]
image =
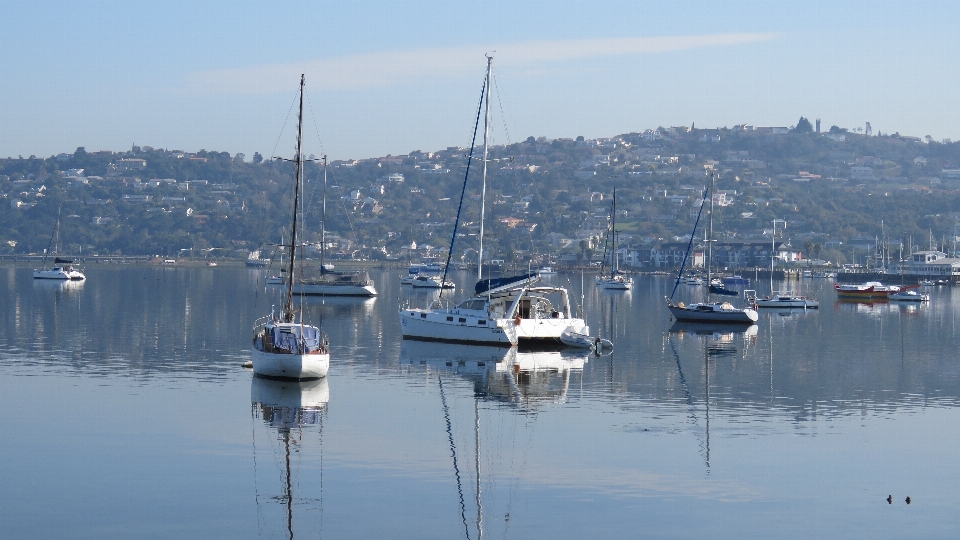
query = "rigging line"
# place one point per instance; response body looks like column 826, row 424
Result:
column 453, row 454
column 463, row 190
column 690, row 244
column 503, row 115
column 316, row 125
column 283, row 127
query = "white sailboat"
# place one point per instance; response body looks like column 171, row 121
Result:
column 718, row 312
column 783, row 299
column 326, row 281
column 616, row 280
column 505, row 311
column 284, row 346
column 62, row 269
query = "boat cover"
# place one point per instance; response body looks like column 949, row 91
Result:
column 495, row 284
column 288, row 337
column 725, row 292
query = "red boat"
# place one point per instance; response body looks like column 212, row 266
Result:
column 870, row 289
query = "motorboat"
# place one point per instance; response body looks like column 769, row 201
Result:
column 284, row 345
column 547, row 271
column 734, row 281
column 572, row 338
column 909, row 295
column 868, row 290
column 431, row 282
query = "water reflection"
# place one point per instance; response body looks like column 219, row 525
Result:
column 293, row 414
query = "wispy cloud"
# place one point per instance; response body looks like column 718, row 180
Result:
column 387, row 68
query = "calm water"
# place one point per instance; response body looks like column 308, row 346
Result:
column 126, row 414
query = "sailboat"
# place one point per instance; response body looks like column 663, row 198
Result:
column 719, row 312
column 783, row 299
column 617, row 280
column 62, row 269
column 284, row 346
column 504, row 311
column 329, row 282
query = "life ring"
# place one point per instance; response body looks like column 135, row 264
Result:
column 516, row 321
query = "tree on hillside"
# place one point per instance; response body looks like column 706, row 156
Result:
column 803, row 126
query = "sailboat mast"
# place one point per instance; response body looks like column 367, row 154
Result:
column 613, row 248
column 773, row 246
column 713, row 180
column 323, row 219
column 483, row 190
column 288, row 309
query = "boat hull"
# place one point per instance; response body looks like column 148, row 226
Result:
column 61, row 275
column 548, row 330
column 732, row 316
column 330, row 289
column 426, row 325
column 787, row 303
column 615, row 284
column 290, row 366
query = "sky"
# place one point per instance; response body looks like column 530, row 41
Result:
column 390, row 77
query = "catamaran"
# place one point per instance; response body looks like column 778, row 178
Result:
column 504, row 311
column 62, row 269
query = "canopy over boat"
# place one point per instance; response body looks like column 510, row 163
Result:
column 498, row 284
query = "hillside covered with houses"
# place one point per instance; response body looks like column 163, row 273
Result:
column 836, row 195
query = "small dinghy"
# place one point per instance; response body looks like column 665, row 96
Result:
column 572, row 338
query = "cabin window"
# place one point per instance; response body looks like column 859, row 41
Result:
column 476, row 304
column 423, row 315
column 449, row 318
column 482, row 322
column 463, row 319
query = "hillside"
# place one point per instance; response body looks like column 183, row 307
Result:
column 545, row 197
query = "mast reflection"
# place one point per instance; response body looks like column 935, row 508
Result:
column 289, row 410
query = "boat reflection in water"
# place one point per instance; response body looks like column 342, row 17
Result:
column 721, row 339
column 487, row 421
column 499, row 374
column 288, row 418
column 58, row 285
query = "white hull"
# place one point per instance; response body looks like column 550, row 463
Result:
column 430, row 325
column 330, row 289
column 290, row 366
column 615, row 285
column 532, row 331
column 734, row 315
column 59, row 274
column 431, row 283
column 792, row 302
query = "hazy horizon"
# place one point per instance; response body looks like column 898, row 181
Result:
column 388, row 78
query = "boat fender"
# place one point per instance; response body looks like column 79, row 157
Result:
column 516, row 321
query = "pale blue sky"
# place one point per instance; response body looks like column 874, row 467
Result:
column 391, row 77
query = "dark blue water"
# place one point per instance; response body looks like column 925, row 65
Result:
column 126, row 413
